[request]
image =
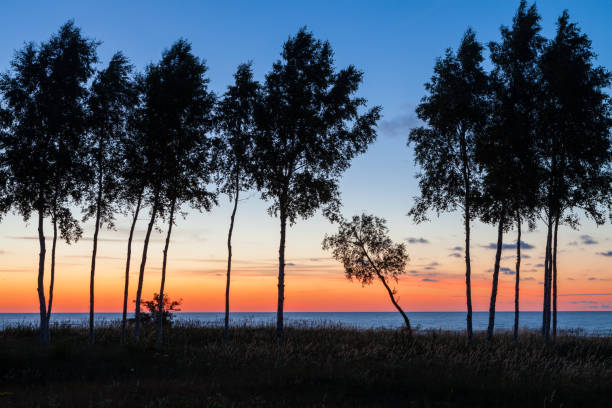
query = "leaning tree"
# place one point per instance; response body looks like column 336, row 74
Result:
column 235, row 124
column 367, row 253
column 111, row 97
column 45, row 91
column 454, row 111
column 309, row 128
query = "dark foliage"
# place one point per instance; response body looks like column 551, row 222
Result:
column 455, row 111
column 507, row 148
column 235, row 122
column 367, row 253
column 111, row 98
column 45, row 92
column 309, row 128
column 172, row 125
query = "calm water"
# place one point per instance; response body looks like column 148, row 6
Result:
column 599, row 323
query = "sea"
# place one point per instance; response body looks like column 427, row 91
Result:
column 598, row 323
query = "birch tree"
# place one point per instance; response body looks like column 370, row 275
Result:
column 45, row 91
column 309, row 128
column 575, row 141
column 454, row 111
column 185, row 108
column 235, row 122
column 511, row 157
column 112, row 95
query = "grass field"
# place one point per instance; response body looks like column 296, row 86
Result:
column 315, row 367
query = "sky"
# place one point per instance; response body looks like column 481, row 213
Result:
column 395, row 44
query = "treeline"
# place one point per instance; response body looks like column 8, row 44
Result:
column 111, row 140
column 528, row 140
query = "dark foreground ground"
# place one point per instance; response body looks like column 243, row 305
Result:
column 315, row 367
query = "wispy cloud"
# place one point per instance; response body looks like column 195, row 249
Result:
column 503, row 269
column 400, row 125
column 48, row 238
column 588, row 240
column 592, row 304
column 432, row 266
column 524, row 245
column 15, row 270
column 421, row 240
column 607, row 253
column 455, row 255
column 428, row 280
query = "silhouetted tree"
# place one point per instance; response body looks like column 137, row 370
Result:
column 576, row 152
column 308, row 130
column 235, row 122
column 183, row 107
column 45, row 91
column 366, row 252
column 510, row 141
column 170, row 125
column 112, row 95
column 454, row 111
column 168, row 308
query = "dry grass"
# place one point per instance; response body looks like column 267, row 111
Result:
column 322, row 366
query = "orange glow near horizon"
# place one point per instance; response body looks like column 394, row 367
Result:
column 321, row 292
column 434, row 280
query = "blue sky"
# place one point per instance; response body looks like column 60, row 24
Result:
column 394, row 42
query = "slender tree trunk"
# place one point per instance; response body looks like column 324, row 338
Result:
column 93, row 262
column 500, row 233
column 44, row 327
column 554, row 279
column 160, row 312
column 468, row 272
column 390, row 291
column 127, row 269
column 397, row 306
column 281, row 275
column 229, row 264
column 518, row 276
column 467, row 217
column 52, row 278
column 141, row 272
column 553, row 203
column 547, row 267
